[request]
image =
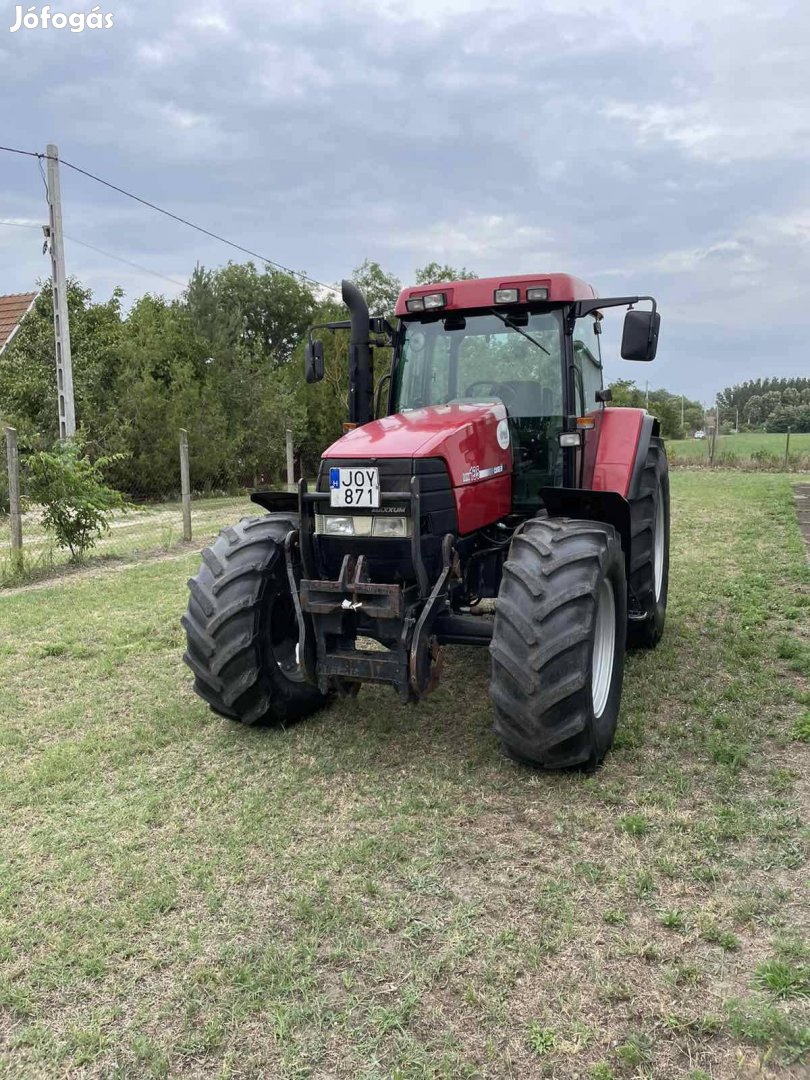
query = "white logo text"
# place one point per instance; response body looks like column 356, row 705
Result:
column 43, row 18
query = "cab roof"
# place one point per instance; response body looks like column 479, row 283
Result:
column 480, row 292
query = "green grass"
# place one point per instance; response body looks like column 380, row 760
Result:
column 744, row 450
column 377, row 892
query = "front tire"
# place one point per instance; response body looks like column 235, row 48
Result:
column 558, row 643
column 649, row 550
column 241, row 630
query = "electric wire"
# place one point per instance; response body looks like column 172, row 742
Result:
column 25, row 153
column 101, row 251
column 175, row 217
column 126, row 262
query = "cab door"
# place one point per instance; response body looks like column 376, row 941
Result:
column 588, row 381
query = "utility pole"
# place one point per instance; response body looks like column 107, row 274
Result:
column 681, row 413
column 647, row 394
column 61, row 326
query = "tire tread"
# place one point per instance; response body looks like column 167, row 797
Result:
column 540, row 648
column 224, row 630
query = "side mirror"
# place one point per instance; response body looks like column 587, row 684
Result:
column 640, row 336
column 313, row 361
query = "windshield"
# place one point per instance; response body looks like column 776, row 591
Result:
column 481, row 357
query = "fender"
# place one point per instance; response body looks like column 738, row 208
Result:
column 650, row 429
column 616, row 448
column 275, row 501
column 589, row 505
column 613, row 460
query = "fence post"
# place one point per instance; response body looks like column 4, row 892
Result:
column 290, row 462
column 15, row 510
column 715, row 433
column 185, row 484
column 787, row 448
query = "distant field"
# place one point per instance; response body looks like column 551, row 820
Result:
column 743, row 447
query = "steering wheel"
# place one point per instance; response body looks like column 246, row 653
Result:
column 504, row 391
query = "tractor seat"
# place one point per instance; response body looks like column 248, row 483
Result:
column 530, row 399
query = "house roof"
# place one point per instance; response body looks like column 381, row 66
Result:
column 13, row 309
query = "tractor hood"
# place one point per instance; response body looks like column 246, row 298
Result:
column 473, row 439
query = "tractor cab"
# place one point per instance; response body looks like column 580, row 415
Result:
column 514, row 357
column 520, row 340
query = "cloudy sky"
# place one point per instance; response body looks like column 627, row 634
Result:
column 649, row 147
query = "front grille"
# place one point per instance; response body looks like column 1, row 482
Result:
column 436, row 502
column 389, row 560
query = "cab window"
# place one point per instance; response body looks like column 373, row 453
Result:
column 588, row 362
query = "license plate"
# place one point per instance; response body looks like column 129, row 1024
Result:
column 358, row 487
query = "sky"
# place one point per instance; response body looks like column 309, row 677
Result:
column 647, row 148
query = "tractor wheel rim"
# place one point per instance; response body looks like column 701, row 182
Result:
column 658, row 542
column 604, row 647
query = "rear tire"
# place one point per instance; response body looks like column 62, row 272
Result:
column 649, row 549
column 558, row 643
column 241, row 629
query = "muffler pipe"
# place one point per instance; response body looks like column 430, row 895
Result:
column 361, row 364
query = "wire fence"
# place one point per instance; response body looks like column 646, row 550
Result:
column 144, row 527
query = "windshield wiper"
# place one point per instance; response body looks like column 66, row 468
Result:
column 512, row 326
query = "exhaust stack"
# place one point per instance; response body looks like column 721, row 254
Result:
column 361, row 364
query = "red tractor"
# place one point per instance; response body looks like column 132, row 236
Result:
column 496, row 471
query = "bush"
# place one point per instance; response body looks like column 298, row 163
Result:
column 764, row 459
column 77, row 504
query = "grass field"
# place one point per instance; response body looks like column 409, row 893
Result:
column 745, row 447
column 377, row 893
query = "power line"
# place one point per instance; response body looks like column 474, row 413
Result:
column 126, row 262
column 25, row 153
column 100, row 251
column 199, row 228
column 181, row 220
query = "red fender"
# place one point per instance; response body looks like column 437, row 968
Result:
column 612, row 449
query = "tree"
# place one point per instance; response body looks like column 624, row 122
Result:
column 380, row 289
column 753, row 410
column 265, row 312
column 433, row 273
column 760, row 400
column 28, row 366
column 224, row 361
column 664, row 405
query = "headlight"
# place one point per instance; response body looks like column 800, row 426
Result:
column 435, row 300
column 389, row 526
column 338, row 526
column 362, row 525
column 342, row 525
column 506, row 296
